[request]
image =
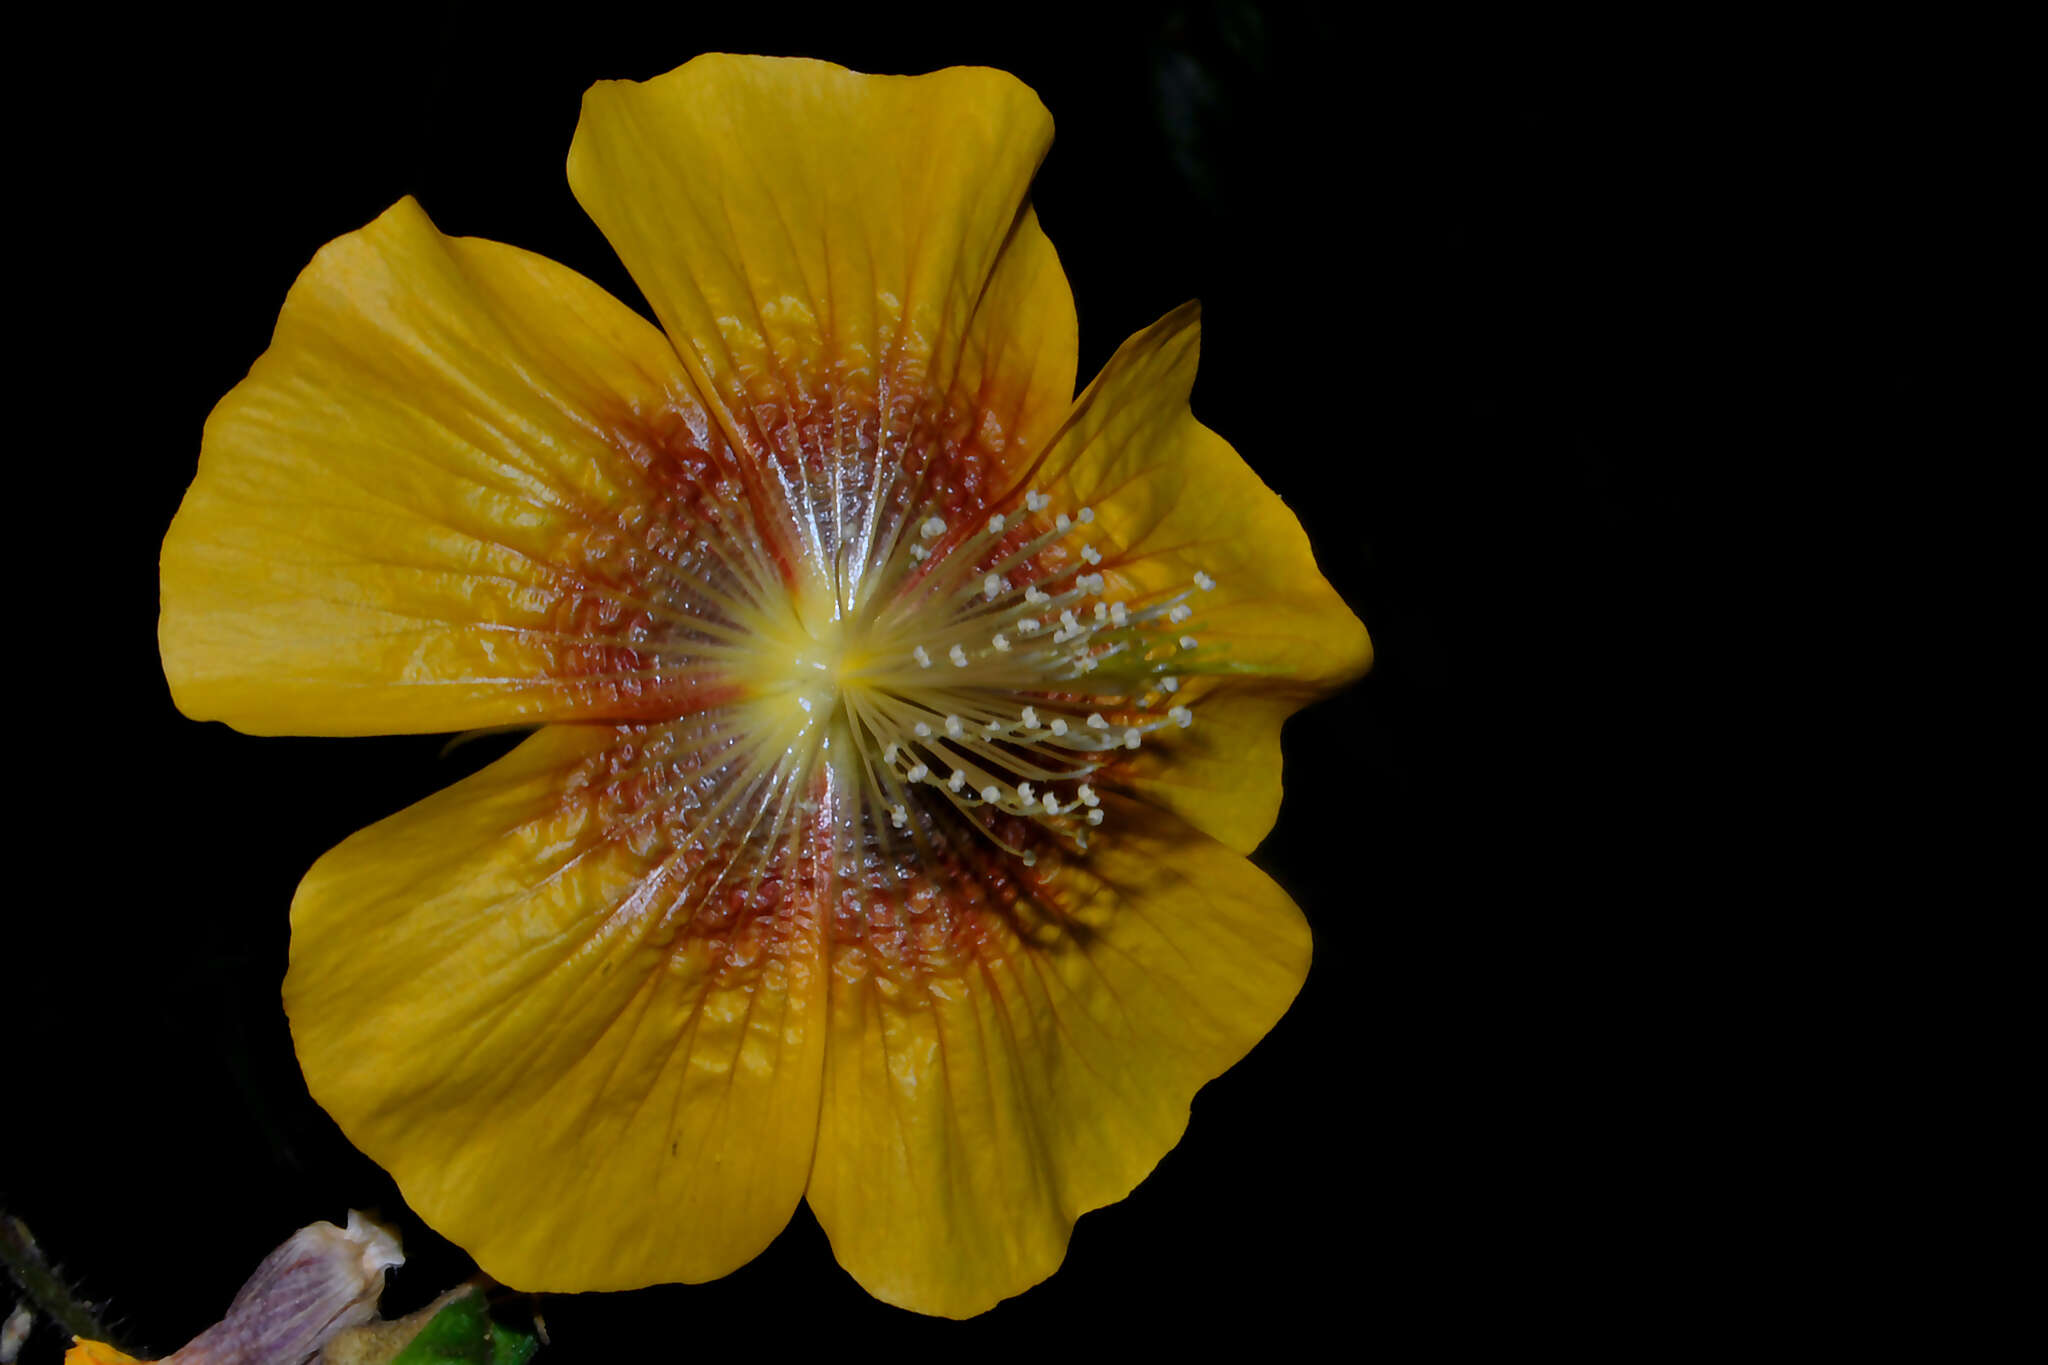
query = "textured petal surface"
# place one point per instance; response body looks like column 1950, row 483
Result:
column 986, row 1086
column 584, row 1041
column 434, row 501
column 1223, row 774
column 846, row 265
column 1172, row 499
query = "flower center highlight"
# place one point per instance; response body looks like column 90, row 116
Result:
column 990, row 671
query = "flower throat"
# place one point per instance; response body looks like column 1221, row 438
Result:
column 991, row 670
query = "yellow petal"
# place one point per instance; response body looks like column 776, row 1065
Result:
column 1222, row 775
column 1018, row 359
column 432, row 503
column 87, row 1352
column 984, row 1089
column 1172, row 500
column 846, row 265
column 522, row 999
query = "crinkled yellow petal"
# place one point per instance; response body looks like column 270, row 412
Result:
column 847, row 267
column 428, row 507
column 587, row 1059
column 1173, row 499
column 1042, row 1063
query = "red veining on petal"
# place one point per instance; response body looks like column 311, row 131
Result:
column 847, row 718
column 714, row 868
column 655, row 587
column 707, row 882
column 917, row 918
column 840, row 472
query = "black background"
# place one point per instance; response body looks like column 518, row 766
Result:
column 1445, row 276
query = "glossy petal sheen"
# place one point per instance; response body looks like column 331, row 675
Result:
column 973, row 1109
column 846, row 265
column 518, row 1000
column 402, row 517
column 1176, row 499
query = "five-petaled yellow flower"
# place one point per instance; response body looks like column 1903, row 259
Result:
column 905, row 721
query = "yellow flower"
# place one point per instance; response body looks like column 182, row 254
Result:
column 905, row 720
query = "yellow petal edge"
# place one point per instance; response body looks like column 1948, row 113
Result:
column 1176, row 499
column 968, row 1124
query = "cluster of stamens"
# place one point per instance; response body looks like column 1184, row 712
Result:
column 1000, row 675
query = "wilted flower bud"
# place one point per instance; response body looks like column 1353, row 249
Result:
column 323, row 1280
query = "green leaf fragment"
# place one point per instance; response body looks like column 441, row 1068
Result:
column 464, row 1334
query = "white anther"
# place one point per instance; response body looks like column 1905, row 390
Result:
column 1027, row 625
column 924, row 660
column 1085, row 515
column 1024, row 792
column 1091, row 554
column 1181, row 716
column 1188, row 642
column 1087, row 795
column 1180, row 613
column 898, row 816
column 1169, row 683
column 1061, row 522
column 918, row 553
column 1051, row 804
column 1001, row 642
column 1032, row 596
column 1030, row 856
column 1118, row 613
column 958, row 779
column 932, row 529
column 1094, row 817
column 993, row 727
column 1131, row 738
column 917, row 774
column 921, row 730
column 1031, row 718
column 1102, row 611
column 1096, row 722
column 995, row 524
column 1067, row 619
column 958, row 656
column 1035, row 501
column 889, row 753
column 990, row 793
column 992, row 587
column 953, row 726
column 1059, row 727
column 1204, row 582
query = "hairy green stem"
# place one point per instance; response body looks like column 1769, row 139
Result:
column 41, row 1286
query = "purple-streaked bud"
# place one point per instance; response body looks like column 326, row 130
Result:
column 322, row 1281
